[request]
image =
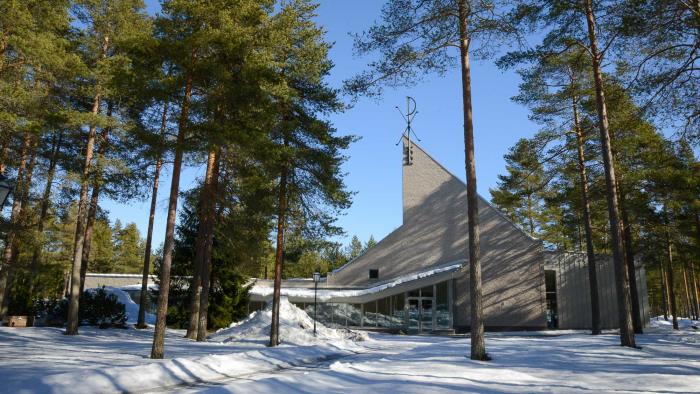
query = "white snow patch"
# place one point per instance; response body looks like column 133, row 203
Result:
column 296, row 327
column 683, row 323
column 324, row 295
column 151, row 286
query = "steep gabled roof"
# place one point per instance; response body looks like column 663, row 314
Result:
column 434, row 229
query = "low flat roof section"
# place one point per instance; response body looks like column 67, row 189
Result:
column 262, row 291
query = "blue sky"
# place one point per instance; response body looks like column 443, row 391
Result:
column 374, row 164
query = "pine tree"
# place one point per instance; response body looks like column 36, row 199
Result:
column 520, row 194
column 105, row 26
column 569, row 25
column 553, row 87
column 415, row 38
column 371, row 242
column 33, row 54
column 660, row 60
column 196, row 37
column 308, row 151
column 355, row 248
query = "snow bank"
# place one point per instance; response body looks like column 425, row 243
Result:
column 683, row 323
column 131, row 308
column 296, row 327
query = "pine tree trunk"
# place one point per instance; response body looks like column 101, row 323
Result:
column 73, row 305
column 664, row 291
column 43, row 213
column 94, row 198
column 143, row 303
column 686, row 286
column 585, row 203
column 697, row 245
column 196, row 283
column 621, row 275
column 7, row 258
column 210, row 216
column 279, row 254
column 22, row 194
column 199, row 253
column 631, row 270
column 694, row 290
column 669, row 282
column 478, row 346
column 158, row 351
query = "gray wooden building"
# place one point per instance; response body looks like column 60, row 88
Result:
column 416, row 279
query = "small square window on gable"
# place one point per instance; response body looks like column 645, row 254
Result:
column 373, row 273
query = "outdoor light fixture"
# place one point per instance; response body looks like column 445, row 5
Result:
column 6, row 187
column 317, row 278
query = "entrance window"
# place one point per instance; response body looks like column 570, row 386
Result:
column 370, row 317
column 398, row 314
column 442, row 305
column 354, row 315
column 383, row 312
column 426, row 291
column 550, row 285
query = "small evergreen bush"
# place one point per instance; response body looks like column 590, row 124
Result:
column 97, row 308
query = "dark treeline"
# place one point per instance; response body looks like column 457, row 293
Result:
column 99, row 99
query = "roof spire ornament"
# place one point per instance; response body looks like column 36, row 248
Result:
column 408, row 117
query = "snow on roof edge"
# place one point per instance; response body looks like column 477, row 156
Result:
column 325, row 294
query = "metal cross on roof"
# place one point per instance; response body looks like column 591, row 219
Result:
column 408, row 117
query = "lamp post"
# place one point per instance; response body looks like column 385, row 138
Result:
column 6, row 187
column 317, row 277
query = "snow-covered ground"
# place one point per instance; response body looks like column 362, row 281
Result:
column 237, row 360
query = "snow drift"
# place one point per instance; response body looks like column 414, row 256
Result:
column 296, row 327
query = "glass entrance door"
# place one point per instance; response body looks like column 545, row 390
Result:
column 420, row 314
column 426, row 315
column 414, row 314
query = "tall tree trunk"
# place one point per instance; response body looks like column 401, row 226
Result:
column 478, row 346
column 694, row 289
column 15, row 213
column 199, row 254
column 697, row 245
column 210, row 216
column 157, row 351
column 669, row 282
column 73, row 306
column 621, row 275
column 631, row 270
column 588, row 227
column 143, row 302
column 664, row 291
column 279, row 255
column 43, row 213
column 22, row 193
column 94, row 198
column 686, row 286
